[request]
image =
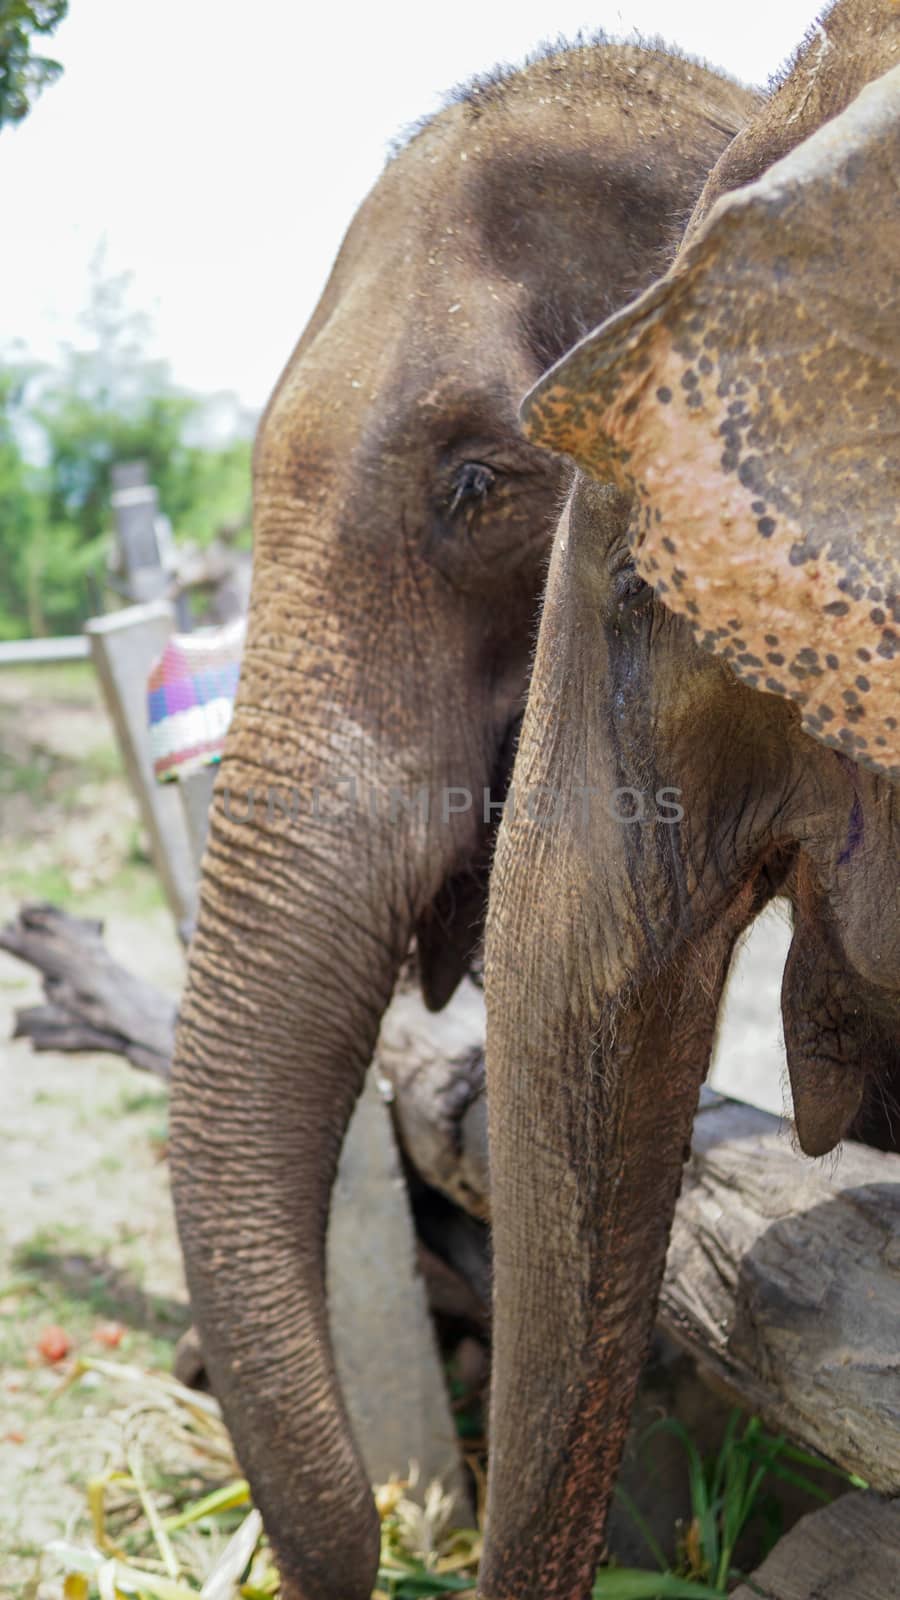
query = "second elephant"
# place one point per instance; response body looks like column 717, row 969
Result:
column 612, row 918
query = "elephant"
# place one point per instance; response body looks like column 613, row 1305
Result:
column 401, row 527
column 676, row 767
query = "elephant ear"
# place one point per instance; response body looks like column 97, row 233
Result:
column 749, row 400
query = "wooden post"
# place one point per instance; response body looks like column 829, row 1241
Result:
column 135, row 505
column 383, row 1338
column 196, row 797
column 142, row 558
column 123, row 646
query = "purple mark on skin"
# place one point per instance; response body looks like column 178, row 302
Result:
column 854, row 833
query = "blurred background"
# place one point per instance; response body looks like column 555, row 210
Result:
column 171, row 207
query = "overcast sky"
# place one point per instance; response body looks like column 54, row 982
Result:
column 220, row 147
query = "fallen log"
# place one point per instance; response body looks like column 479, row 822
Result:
column 783, row 1280
column 849, row 1550
column 431, row 1068
column 783, row 1274
column 92, row 1001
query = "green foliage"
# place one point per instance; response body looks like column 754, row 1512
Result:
column 23, row 75
column 727, row 1492
column 18, row 510
column 107, row 402
column 622, row 1584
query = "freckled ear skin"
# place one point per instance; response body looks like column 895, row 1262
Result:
column 751, row 402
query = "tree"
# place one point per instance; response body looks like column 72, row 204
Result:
column 107, row 402
column 19, row 512
column 22, row 75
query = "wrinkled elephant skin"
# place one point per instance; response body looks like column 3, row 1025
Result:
column 401, row 525
column 732, row 491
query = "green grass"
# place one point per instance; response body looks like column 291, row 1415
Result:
column 134, row 885
column 99, row 764
column 62, row 1274
column 49, row 775
column 728, row 1492
column 42, row 883
column 134, row 1100
column 118, row 1103
column 69, row 682
column 46, row 1242
column 41, row 1302
column 29, row 778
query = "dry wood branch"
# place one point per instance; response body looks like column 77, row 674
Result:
column 93, row 1002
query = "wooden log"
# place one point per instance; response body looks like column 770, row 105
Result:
column 93, row 1002
column 432, row 1064
column 849, row 1550
column 383, row 1339
column 783, row 1280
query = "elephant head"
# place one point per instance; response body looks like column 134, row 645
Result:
column 733, row 578
column 749, row 402
column 401, row 526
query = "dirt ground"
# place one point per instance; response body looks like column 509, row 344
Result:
column 88, row 1242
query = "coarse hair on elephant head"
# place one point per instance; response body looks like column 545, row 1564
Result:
column 401, row 526
column 718, row 628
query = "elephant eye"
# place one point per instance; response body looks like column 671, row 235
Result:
column 469, row 485
column 630, row 592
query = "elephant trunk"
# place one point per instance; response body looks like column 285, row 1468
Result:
column 591, row 1103
column 304, row 921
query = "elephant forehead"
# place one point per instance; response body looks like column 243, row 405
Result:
column 372, row 391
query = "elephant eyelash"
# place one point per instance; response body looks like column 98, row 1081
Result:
column 629, row 588
column 471, row 483
column 621, row 561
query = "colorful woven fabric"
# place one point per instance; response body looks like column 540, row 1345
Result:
column 190, row 695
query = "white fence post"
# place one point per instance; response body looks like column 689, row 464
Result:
column 124, row 645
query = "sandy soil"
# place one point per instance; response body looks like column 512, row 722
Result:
column 87, row 1237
